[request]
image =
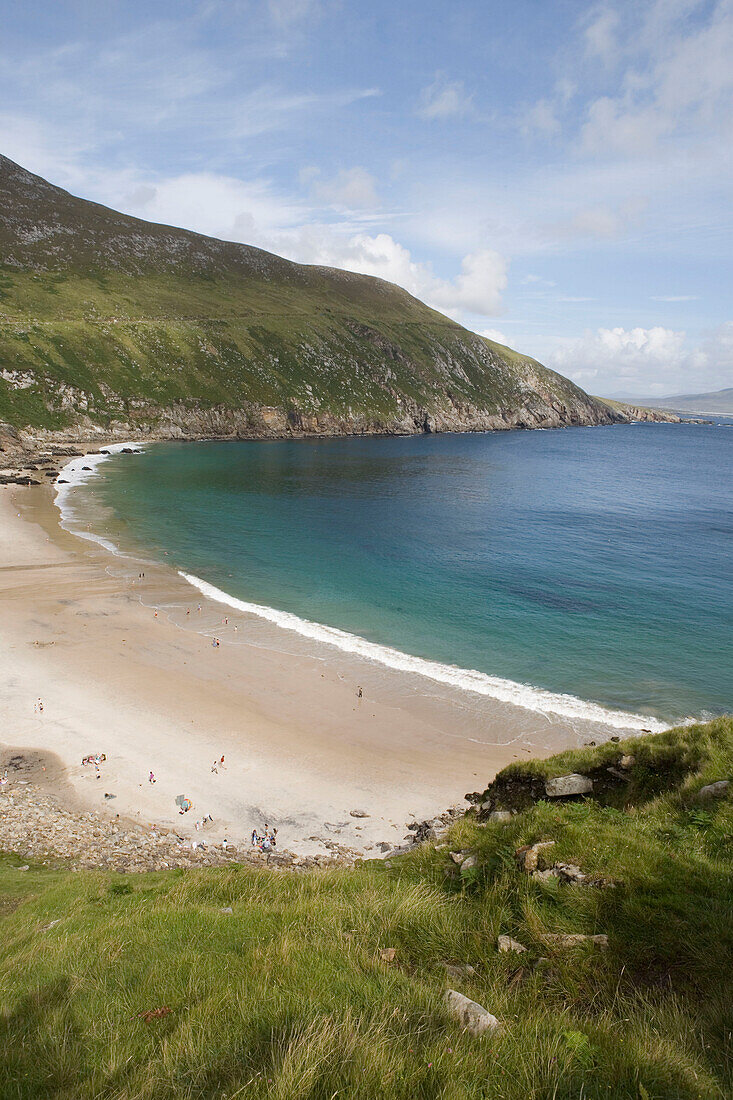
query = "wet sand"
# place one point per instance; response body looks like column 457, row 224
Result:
column 122, row 669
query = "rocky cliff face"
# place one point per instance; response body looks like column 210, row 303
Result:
column 111, row 327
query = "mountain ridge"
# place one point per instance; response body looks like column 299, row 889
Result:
column 112, row 324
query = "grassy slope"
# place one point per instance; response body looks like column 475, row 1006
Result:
column 287, row 996
column 127, row 312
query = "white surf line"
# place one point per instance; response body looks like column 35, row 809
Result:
column 74, row 474
column 480, row 683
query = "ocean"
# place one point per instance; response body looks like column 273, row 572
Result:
column 585, row 565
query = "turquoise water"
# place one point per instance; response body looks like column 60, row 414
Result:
column 591, row 561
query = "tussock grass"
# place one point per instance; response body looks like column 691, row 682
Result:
column 288, row 997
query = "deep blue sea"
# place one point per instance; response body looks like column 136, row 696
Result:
column 589, row 561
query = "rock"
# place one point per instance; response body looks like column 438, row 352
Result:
column 226, row 909
column 472, row 1016
column 388, row 954
column 618, row 774
column 458, row 857
column 617, row 739
column 506, row 943
column 486, row 806
column 503, row 817
column 545, row 876
column 564, row 785
column 51, row 924
column 627, row 762
column 714, row 790
column 527, row 856
column 468, row 863
column 474, row 797
column 358, row 813
column 24, row 868
column 569, row 872
column 571, row 939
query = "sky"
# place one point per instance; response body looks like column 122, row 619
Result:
column 555, row 174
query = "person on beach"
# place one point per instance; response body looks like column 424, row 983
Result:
column 214, row 768
column 221, row 762
column 255, row 838
column 359, row 693
column 151, row 778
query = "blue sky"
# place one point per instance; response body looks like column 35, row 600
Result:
column 555, row 174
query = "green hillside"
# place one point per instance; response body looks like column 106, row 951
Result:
column 107, row 319
column 242, row 982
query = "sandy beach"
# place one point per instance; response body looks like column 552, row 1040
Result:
column 125, row 666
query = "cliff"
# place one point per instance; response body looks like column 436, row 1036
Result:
column 114, row 325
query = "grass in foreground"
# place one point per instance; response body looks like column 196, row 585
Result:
column 287, row 996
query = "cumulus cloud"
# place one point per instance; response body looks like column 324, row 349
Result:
column 653, row 360
column 477, row 289
column 444, row 98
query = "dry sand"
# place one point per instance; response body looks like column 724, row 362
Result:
column 79, row 631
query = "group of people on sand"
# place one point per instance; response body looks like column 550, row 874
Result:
column 266, row 841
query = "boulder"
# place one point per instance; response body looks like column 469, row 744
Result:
column 468, row 863
column 502, row 816
column 627, row 762
column 527, row 856
column 715, row 790
column 472, row 1016
column 571, row 939
column 506, row 943
column 564, row 785
column 458, row 857
column 358, row 813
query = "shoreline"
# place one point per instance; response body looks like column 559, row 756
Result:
column 120, row 671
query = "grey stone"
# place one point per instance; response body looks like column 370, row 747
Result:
column 226, row 909
column 564, row 785
column 458, row 857
column 468, row 863
column 501, row 816
column 545, row 876
column 627, row 762
column 506, row 943
column 572, row 939
column 528, row 855
column 472, row 1016
column 714, row 790
column 358, row 813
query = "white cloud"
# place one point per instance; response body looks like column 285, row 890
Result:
column 678, row 81
column 351, row 187
column 286, row 12
column 600, row 35
column 541, row 118
column 602, row 221
column 477, row 289
column 674, row 298
column 495, row 335
column 646, row 360
column 444, row 98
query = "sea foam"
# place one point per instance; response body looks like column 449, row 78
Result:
column 480, row 683
column 469, row 680
column 74, row 474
